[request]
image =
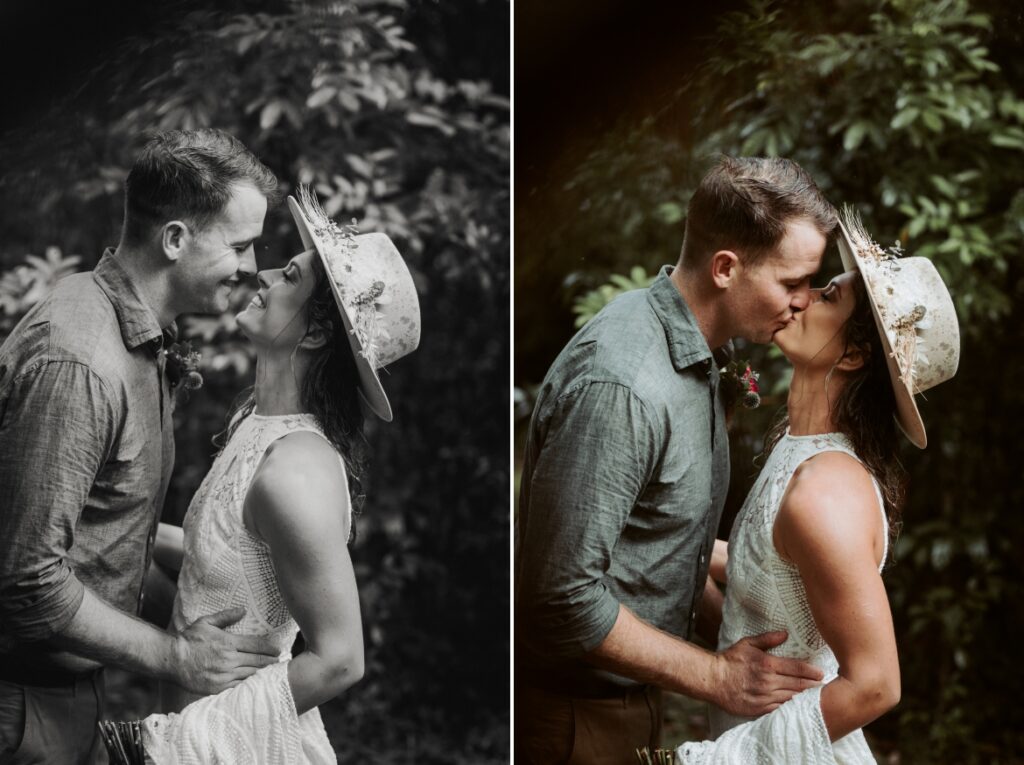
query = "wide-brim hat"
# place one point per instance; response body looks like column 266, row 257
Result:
column 915, row 317
column 374, row 290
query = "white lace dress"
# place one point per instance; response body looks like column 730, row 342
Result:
column 226, row 566
column 765, row 593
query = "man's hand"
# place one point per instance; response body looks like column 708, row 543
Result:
column 210, row 660
column 751, row 682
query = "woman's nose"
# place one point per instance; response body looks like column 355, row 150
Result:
column 261, row 277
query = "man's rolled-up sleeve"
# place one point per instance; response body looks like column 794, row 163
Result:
column 56, row 427
column 598, row 455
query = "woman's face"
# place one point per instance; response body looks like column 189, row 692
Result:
column 276, row 316
column 816, row 336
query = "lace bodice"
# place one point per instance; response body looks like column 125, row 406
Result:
column 227, row 566
column 765, row 593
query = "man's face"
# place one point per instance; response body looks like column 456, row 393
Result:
column 768, row 294
column 222, row 252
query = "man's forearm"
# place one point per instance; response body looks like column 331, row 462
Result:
column 108, row 635
column 644, row 653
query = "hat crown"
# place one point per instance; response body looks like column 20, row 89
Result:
column 379, row 280
column 919, row 319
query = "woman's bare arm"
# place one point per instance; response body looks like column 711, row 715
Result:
column 298, row 503
column 830, row 527
column 168, row 550
column 719, row 560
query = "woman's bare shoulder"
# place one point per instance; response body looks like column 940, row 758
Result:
column 830, row 507
column 298, row 487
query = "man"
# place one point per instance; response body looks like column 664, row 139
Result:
column 86, row 451
column 625, row 474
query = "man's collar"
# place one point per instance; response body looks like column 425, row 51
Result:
column 138, row 322
column 687, row 346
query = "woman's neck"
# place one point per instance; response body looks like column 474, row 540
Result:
column 278, row 378
column 811, row 395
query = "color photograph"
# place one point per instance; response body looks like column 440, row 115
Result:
column 767, row 300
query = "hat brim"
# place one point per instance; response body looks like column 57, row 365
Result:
column 907, row 415
column 370, row 387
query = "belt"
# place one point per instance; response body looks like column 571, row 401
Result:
column 20, row 672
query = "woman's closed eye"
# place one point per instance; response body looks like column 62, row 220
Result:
column 828, row 294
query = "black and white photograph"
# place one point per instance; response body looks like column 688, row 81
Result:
column 254, row 382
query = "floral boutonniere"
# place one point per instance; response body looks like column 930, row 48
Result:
column 742, row 384
column 183, row 367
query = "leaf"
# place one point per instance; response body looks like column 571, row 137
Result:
column 270, row 115
column 429, row 120
column 854, row 135
column 320, row 97
column 932, row 121
column 945, row 187
column 904, row 118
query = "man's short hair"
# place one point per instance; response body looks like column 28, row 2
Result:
column 188, row 175
column 744, row 204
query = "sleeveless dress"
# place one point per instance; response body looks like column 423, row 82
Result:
column 227, row 566
column 765, row 593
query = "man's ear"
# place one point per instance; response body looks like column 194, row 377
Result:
column 854, row 358
column 725, row 268
column 315, row 338
column 174, row 238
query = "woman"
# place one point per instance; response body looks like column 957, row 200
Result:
column 268, row 529
column 807, row 549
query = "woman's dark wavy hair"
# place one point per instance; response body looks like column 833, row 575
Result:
column 864, row 409
column 330, row 391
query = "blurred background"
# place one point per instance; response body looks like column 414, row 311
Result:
column 910, row 110
column 397, row 113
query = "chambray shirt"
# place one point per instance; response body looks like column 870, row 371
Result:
column 86, row 451
column 625, row 475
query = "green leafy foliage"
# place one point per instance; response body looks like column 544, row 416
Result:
column 397, row 114
column 912, row 111
column 587, row 306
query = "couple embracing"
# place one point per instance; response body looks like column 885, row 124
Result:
column 86, row 451
column 626, row 472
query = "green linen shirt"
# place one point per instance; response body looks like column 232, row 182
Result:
column 625, row 474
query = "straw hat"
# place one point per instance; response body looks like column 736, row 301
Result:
column 915, row 318
column 374, row 290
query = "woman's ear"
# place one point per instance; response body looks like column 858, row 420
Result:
column 853, row 359
column 315, row 338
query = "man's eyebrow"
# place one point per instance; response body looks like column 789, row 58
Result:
column 245, row 242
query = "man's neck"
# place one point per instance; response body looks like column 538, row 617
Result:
column 703, row 306
column 150, row 282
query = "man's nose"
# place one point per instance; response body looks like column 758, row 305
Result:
column 247, row 263
column 801, row 298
